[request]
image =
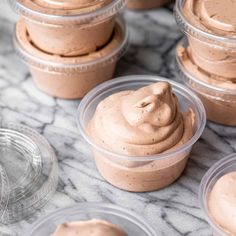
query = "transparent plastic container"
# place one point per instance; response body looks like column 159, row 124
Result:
column 219, row 102
column 127, row 220
column 69, row 32
column 215, row 53
column 28, row 172
column 71, row 77
column 145, row 4
column 222, row 167
column 123, row 171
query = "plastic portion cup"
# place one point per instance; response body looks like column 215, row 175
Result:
column 147, row 173
column 220, row 103
column 72, row 34
column 71, row 77
column 127, row 220
column 147, row 4
column 222, row 167
column 29, row 172
column 4, row 192
column 215, row 54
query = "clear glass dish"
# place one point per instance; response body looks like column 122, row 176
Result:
column 29, row 171
column 128, row 220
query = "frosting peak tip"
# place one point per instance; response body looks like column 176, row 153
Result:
column 154, row 104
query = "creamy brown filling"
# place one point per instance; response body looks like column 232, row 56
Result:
column 222, row 203
column 144, row 122
column 88, row 228
column 215, row 16
column 63, row 7
column 185, row 56
column 30, row 47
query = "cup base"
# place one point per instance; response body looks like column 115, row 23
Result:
column 137, row 179
column 81, row 83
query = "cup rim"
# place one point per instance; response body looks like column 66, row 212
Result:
column 24, row 207
column 100, row 14
column 193, row 30
column 98, row 207
column 32, row 60
column 189, row 75
column 217, row 168
column 139, row 78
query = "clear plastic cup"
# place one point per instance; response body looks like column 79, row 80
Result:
column 69, row 32
column 142, row 173
column 71, row 77
column 28, row 172
column 127, row 220
column 222, row 167
column 214, row 53
column 147, row 4
column 219, row 102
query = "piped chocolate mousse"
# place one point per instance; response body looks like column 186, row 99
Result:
column 70, row 28
column 208, row 61
column 63, row 7
column 70, row 77
column 139, row 124
column 214, row 16
column 217, row 18
column 89, row 228
column 222, row 203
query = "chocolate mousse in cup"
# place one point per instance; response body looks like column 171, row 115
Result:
column 145, row 4
column 69, row 28
column 217, row 94
column 70, row 77
column 218, row 196
column 141, row 130
column 90, row 219
column 208, row 61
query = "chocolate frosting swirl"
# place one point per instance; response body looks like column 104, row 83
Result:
column 144, row 122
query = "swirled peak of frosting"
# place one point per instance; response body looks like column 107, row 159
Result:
column 143, row 122
column 222, row 203
column 88, row 228
column 215, row 16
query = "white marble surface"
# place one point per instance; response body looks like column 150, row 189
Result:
column 173, row 211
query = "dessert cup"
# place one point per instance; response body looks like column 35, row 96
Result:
column 141, row 173
column 69, row 32
column 222, row 167
column 28, row 172
column 127, row 220
column 145, row 4
column 213, row 52
column 70, row 77
column 211, row 42
column 219, row 99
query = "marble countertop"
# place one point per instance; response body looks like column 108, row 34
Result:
column 173, row 211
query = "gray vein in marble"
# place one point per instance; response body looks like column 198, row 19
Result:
column 172, row 211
